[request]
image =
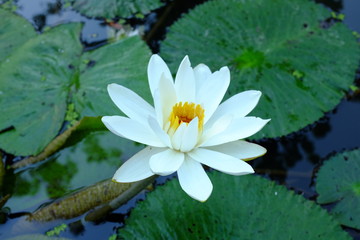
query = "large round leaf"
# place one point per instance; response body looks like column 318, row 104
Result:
column 14, row 31
column 246, row 207
column 35, row 81
column 123, row 62
column 48, row 79
column 115, row 8
column 301, row 63
column 338, row 181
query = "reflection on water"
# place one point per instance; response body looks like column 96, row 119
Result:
column 94, row 159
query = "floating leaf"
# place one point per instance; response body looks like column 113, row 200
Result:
column 2, row 171
column 338, row 181
column 115, row 8
column 123, row 62
column 246, row 207
column 35, row 82
column 287, row 49
column 14, row 31
column 48, row 74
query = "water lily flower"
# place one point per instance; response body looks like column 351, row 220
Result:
column 187, row 126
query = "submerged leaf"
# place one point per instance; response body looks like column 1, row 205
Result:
column 338, row 181
column 106, row 195
column 246, row 207
column 80, row 202
column 75, row 167
column 286, row 49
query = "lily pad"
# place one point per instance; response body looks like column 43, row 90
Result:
column 115, row 8
column 290, row 50
column 41, row 79
column 246, row 207
column 14, row 31
column 35, row 81
column 123, row 62
column 338, row 181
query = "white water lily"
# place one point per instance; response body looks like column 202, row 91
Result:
column 187, row 126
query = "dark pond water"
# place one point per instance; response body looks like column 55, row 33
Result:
column 292, row 160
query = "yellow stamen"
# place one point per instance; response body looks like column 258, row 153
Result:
column 184, row 113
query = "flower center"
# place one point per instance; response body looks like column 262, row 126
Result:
column 184, row 113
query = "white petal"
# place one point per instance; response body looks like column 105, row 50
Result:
column 166, row 162
column 211, row 93
column 185, row 82
column 190, row 136
column 221, row 161
column 194, row 180
column 177, row 138
column 202, row 73
column 217, row 127
column 154, row 125
column 240, row 149
column 238, row 105
column 130, row 103
column 131, row 129
column 238, row 129
column 156, row 68
column 137, row 167
column 164, row 100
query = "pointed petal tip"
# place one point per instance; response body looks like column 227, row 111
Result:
column 257, row 93
column 225, row 68
column 154, row 56
column 110, row 86
column 155, row 60
column 201, row 198
column 119, row 178
column 186, row 61
column 105, row 120
column 264, row 151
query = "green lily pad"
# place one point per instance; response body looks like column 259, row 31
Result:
column 123, row 62
column 48, row 80
column 338, row 181
column 278, row 47
column 14, row 31
column 35, row 81
column 246, row 207
column 115, row 8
